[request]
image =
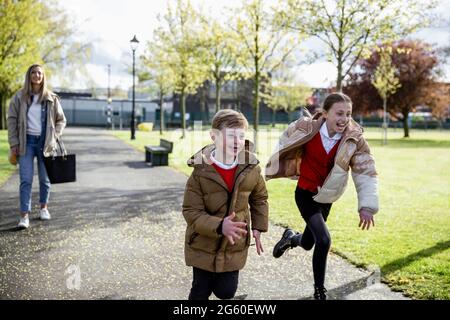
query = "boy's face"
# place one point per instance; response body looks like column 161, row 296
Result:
column 229, row 141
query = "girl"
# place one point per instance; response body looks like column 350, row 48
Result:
column 35, row 121
column 319, row 152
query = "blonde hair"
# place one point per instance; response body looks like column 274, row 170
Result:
column 27, row 90
column 228, row 118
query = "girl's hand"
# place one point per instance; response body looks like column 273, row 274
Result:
column 15, row 150
column 257, row 236
column 365, row 219
column 233, row 230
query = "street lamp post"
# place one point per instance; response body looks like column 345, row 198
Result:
column 134, row 44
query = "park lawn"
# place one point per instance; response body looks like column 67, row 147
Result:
column 410, row 242
column 6, row 169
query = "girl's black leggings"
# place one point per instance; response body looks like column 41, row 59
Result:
column 316, row 232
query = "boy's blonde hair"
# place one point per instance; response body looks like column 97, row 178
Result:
column 228, row 118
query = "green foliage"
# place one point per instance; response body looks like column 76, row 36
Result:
column 35, row 31
column 62, row 53
column 6, row 169
column 21, row 28
column 283, row 93
column 266, row 47
column 157, row 69
column 386, row 81
column 223, row 52
column 351, row 28
column 181, row 40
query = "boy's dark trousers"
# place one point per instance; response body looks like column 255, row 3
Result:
column 223, row 284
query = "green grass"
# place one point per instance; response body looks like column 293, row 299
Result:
column 411, row 239
column 6, row 169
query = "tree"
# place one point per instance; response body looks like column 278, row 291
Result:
column 222, row 56
column 62, row 54
column 20, row 26
column 385, row 81
column 439, row 101
column 349, row 29
column 417, row 64
column 184, row 51
column 35, row 31
column 285, row 94
column 266, row 47
column 203, row 93
column 161, row 75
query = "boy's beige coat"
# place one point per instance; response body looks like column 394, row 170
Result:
column 207, row 202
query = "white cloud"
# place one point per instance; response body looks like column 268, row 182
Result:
column 317, row 75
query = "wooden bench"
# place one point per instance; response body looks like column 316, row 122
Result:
column 159, row 155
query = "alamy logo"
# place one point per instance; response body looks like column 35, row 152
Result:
column 73, row 282
column 375, row 277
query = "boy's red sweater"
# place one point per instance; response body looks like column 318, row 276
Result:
column 227, row 175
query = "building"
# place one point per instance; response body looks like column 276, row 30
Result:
column 81, row 109
column 236, row 95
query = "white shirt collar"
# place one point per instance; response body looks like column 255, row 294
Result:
column 324, row 132
column 222, row 165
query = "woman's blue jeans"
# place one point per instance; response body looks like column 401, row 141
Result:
column 34, row 149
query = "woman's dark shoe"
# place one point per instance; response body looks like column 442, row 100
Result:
column 284, row 244
column 320, row 293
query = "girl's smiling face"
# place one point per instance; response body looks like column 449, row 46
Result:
column 37, row 76
column 338, row 117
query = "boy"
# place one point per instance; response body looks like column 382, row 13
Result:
column 225, row 197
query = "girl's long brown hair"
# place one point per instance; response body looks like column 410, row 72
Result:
column 335, row 98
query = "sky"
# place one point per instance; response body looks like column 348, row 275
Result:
column 109, row 25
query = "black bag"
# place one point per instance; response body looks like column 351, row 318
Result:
column 61, row 168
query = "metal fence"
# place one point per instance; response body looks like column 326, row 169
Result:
column 94, row 112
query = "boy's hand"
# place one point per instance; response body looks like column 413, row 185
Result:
column 365, row 219
column 233, row 230
column 257, row 236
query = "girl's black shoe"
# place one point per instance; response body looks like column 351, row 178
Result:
column 320, row 293
column 284, row 244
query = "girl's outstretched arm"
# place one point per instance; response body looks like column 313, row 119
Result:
column 366, row 183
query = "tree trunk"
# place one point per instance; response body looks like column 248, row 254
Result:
column 384, row 122
column 207, row 111
column 274, row 113
column 183, row 113
column 256, row 110
column 339, row 76
column 3, row 108
column 405, row 124
column 2, row 126
column 161, row 113
column 205, row 117
column 218, row 87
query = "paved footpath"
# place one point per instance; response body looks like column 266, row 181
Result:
column 118, row 233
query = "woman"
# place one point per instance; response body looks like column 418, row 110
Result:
column 319, row 152
column 35, row 121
